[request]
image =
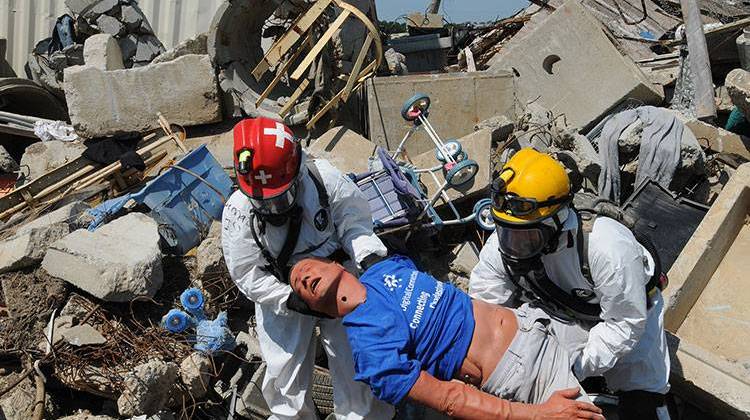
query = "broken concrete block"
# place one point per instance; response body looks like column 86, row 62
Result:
column 83, row 335
column 109, row 25
column 458, row 102
column 552, row 69
column 103, row 52
column 467, row 256
column 116, row 263
column 78, row 6
column 723, row 100
column 147, row 388
column 584, row 162
column 738, row 86
column 250, row 341
column 42, row 157
column 209, row 255
column 147, row 49
column 345, row 149
column 68, row 213
column 396, row 62
column 86, row 415
column 105, row 103
column 8, row 165
column 194, row 45
column 195, row 373
column 131, row 17
column 718, row 139
column 161, row 415
column 28, row 248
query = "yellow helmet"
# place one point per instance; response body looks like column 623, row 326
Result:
column 531, row 187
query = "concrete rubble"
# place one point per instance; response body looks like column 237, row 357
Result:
column 147, row 388
column 42, row 157
column 29, row 244
column 195, row 372
column 93, row 231
column 183, row 90
column 116, row 263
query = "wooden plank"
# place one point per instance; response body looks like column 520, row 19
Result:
column 354, row 74
column 327, row 35
column 280, row 72
column 325, row 109
column 294, row 98
column 295, row 32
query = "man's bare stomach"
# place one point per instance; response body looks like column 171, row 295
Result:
column 494, row 330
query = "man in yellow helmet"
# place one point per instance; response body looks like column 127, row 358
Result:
column 599, row 288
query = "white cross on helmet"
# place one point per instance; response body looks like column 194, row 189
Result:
column 280, row 133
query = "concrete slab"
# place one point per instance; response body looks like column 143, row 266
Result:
column 459, row 101
column 718, row 139
column 103, row 52
column 116, row 263
column 553, row 69
column 42, row 157
column 714, row 384
column 707, row 248
column 106, row 103
column 723, row 307
column 345, row 149
column 707, row 305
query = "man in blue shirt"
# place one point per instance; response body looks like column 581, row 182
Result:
column 411, row 335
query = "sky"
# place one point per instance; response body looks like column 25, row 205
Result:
column 454, row 10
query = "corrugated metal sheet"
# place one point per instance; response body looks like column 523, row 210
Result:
column 25, row 22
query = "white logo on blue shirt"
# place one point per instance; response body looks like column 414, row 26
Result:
column 391, row 282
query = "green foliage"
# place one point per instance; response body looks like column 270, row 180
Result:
column 392, row 27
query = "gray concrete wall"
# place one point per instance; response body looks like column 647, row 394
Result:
column 459, row 101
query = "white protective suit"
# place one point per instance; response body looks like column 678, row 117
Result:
column 629, row 347
column 286, row 337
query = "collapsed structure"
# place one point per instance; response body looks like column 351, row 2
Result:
column 116, row 161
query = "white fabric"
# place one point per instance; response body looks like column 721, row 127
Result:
column 629, row 347
column 286, row 336
column 54, row 130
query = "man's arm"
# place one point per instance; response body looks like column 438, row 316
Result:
column 351, row 214
column 489, row 281
column 245, row 261
column 461, row 401
column 617, row 268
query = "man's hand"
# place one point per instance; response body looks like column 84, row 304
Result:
column 563, row 406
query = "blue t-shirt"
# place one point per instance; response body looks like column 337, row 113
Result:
column 410, row 322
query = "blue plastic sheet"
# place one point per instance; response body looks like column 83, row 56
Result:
column 183, row 204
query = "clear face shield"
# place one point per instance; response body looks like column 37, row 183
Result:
column 523, row 243
column 279, row 205
column 526, row 242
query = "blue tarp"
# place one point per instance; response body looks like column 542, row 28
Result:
column 183, row 205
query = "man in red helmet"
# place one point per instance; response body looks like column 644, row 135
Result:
column 289, row 207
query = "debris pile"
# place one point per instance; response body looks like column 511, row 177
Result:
column 116, row 161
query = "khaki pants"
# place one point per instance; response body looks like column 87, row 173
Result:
column 535, row 365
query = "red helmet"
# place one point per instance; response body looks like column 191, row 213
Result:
column 267, row 160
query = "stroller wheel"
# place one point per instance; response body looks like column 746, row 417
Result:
column 415, row 106
column 453, row 148
column 483, row 214
column 462, row 172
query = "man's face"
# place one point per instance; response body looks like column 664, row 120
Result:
column 316, row 282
